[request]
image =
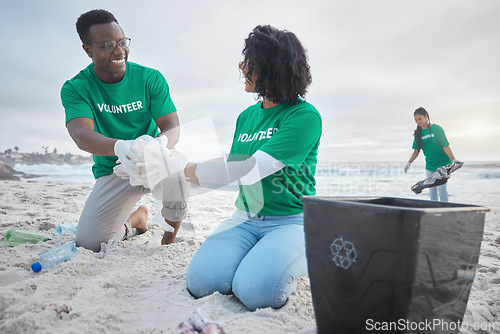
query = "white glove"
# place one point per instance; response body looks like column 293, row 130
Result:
column 129, row 152
column 132, row 149
column 174, row 190
column 131, row 174
column 162, row 140
column 126, row 158
column 119, row 171
column 159, row 163
column 123, row 150
column 408, row 164
column 457, row 164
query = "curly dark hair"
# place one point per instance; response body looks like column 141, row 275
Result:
column 280, row 62
column 418, row 131
column 95, row 16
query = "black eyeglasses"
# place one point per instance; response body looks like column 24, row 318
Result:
column 110, row 46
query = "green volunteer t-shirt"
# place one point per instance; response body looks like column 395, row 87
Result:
column 290, row 134
column 124, row 110
column 433, row 141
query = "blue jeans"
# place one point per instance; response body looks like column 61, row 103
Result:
column 257, row 258
column 442, row 190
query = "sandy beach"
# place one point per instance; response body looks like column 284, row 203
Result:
column 137, row 286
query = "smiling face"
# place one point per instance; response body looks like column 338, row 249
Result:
column 109, row 66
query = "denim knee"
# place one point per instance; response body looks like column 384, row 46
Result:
column 202, row 280
column 260, row 291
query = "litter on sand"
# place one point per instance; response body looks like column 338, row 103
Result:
column 200, row 322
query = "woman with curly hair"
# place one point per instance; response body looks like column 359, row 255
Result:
column 259, row 252
column 432, row 140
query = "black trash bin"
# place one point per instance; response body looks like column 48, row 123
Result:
column 390, row 264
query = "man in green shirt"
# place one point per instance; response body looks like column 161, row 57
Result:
column 107, row 103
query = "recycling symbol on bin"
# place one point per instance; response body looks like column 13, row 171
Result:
column 344, row 253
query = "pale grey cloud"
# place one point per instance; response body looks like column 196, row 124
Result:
column 373, row 63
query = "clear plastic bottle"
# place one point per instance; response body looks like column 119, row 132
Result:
column 55, row 256
column 69, row 228
column 15, row 237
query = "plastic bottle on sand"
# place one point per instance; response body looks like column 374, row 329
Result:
column 69, row 228
column 55, row 256
column 15, row 237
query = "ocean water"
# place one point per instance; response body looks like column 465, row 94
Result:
column 78, row 173
column 481, row 179
column 474, row 183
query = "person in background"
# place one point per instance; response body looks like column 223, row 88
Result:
column 259, row 252
column 432, row 140
column 111, row 101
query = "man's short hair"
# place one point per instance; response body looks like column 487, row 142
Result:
column 95, row 16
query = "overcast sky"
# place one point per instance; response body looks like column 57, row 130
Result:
column 373, row 63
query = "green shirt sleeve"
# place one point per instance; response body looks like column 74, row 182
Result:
column 161, row 102
column 296, row 137
column 74, row 105
column 441, row 136
column 414, row 146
